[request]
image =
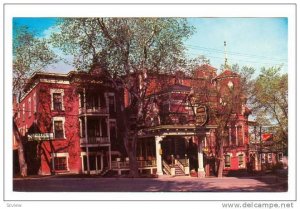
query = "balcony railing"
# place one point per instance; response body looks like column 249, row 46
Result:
column 94, row 140
column 125, row 164
column 93, row 110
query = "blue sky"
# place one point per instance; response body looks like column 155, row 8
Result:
column 255, row 42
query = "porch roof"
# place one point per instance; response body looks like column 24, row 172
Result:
column 175, row 130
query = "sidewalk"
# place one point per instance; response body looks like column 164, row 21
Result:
column 162, row 184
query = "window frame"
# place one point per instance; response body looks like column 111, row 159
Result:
column 241, row 154
column 60, row 155
column 29, row 107
column 270, row 157
column 23, row 112
column 56, row 119
column 57, row 91
column 225, row 163
column 111, row 94
column 263, row 158
column 280, row 157
column 34, row 103
column 113, row 121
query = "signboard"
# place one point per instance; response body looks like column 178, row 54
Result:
column 201, row 115
column 40, row 136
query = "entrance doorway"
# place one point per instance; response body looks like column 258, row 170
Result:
column 174, row 147
column 96, row 162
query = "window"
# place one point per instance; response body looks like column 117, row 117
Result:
column 111, row 103
column 19, row 112
column 23, row 112
column 269, row 157
column 58, row 129
column 263, row 158
column 60, row 163
column 94, row 128
column 113, row 129
column 34, row 103
column 57, row 102
column 280, row 157
column 29, row 107
column 227, row 161
column 240, row 135
column 241, row 160
column 57, row 99
column 104, row 128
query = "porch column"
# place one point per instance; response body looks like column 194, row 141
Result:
column 101, row 161
column 86, row 134
column 109, row 156
column 158, row 139
column 97, row 163
column 243, row 131
column 201, row 171
column 236, row 135
column 230, row 140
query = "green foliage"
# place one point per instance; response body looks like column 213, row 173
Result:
column 124, row 45
column 30, row 55
column 271, row 101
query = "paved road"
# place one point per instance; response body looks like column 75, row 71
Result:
column 163, row 184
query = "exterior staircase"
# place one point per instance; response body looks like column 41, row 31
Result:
column 178, row 171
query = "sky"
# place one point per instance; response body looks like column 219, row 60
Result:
column 255, row 42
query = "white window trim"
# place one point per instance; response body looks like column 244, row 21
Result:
column 270, row 161
column 23, row 112
column 263, row 158
column 230, row 154
column 238, row 154
column 29, row 107
column 60, row 154
column 34, row 103
column 19, row 112
column 58, row 91
column 278, row 156
column 58, row 119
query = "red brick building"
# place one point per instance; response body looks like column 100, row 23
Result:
column 70, row 123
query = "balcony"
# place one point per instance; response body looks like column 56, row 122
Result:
column 94, row 141
column 93, row 110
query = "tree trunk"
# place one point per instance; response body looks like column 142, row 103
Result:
column 129, row 138
column 221, row 161
column 22, row 161
column 133, row 162
column 130, row 145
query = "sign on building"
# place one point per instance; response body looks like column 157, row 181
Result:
column 201, row 115
column 40, row 136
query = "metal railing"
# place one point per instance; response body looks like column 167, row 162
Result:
column 125, row 164
column 93, row 110
column 94, row 140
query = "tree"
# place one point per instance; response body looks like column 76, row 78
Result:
column 30, row 55
column 270, row 101
column 130, row 49
column 224, row 97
